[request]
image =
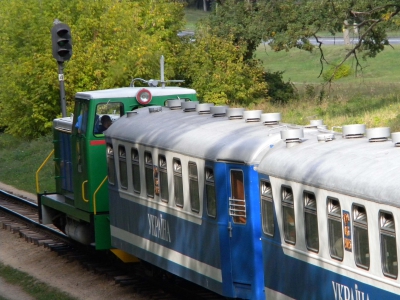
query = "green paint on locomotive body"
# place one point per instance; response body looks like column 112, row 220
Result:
column 80, row 157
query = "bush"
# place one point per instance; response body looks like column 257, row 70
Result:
column 341, row 72
column 278, row 90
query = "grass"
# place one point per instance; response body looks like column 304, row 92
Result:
column 303, row 67
column 370, row 96
column 20, row 159
column 193, row 16
column 37, row 289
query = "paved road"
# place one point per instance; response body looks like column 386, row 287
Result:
column 324, row 40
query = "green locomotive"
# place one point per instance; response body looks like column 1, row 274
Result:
column 79, row 207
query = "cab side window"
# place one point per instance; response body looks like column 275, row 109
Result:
column 106, row 114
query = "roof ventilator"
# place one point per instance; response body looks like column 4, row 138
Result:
column 353, row 131
column 204, row 108
column 154, row 109
column 174, row 104
column 327, row 137
column 396, row 139
column 189, row 106
column 219, row 111
column 234, row 113
column 271, row 118
column 252, row 115
column 379, row 134
column 316, row 124
column 292, row 137
column 131, row 114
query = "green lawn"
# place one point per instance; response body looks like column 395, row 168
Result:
column 304, row 67
column 37, row 289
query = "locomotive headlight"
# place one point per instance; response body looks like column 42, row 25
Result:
column 143, row 96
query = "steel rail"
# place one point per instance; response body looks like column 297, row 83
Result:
column 25, row 218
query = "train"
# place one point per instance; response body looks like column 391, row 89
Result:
column 252, row 208
column 233, row 200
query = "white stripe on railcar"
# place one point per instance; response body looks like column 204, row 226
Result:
column 169, row 254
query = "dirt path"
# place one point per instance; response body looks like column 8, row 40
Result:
column 46, row 266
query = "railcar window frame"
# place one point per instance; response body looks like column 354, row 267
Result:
column 163, row 172
column 123, row 170
column 335, row 228
column 210, row 194
column 288, row 214
column 311, row 221
column 178, row 183
column 361, row 238
column 267, row 207
column 149, row 176
column 110, row 164
column 135, row 170
column 237, row 201
column 194, row 193
column 388, row 244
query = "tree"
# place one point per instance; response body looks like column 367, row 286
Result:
column 217, row 69
column 113, row 41
column 287, row 24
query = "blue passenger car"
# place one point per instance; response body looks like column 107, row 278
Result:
column 330, row 216
column 184, row 193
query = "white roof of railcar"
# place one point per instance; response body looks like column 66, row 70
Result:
column 197, row 135
column 129, row 92
column 355, row 167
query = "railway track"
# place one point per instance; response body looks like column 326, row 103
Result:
column 20, row 217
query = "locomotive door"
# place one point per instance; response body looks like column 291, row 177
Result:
column 239, row 229
column 79, row 153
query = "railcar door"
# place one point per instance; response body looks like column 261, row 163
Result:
column 242, row 234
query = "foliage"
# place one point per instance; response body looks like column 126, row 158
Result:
column 288, row 24
column 337, row 72
column 278, row 90
column 113, row 41
column 216, row 68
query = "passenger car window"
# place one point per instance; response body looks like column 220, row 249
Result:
column 194, row 187
column 361, row 242
column 149, row 177
column 210, row 192
column 335, row 232
column 289, row 222
column 135, row 170
column 388, row 244
column 178, row 185
column 311, row 221
column 123, row 175
column 267, row 208
column 162, row 163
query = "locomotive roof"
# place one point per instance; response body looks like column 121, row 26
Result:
column 197, row 135
column 355, row 167
column 129, row 92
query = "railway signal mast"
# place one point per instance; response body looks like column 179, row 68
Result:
column 62, row 51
